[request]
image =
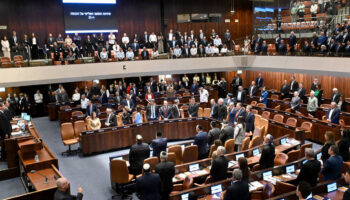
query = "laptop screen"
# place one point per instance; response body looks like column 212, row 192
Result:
column 318, row 156
column 332, row 187
column 256, row 152
column 193, row 167
column 23, row 114
column 239, row 155
column 216, row 189
column 290, row 169
column 309, row 197
column 185, row 196
column 283, row 141
column 267, row 174
column 27, row 117
column 118, row 158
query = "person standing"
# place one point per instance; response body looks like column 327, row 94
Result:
column 63, row 193
column 218, row 170
column 201, row 140
column 333, row 166
column 309, row 171
column 137, row 154
column 148, row 186
column 166, row 171
column 6, row 47
column 312, row 104
column 39, row 103
column 159, row 144
column 268, row 153
column 238, row 188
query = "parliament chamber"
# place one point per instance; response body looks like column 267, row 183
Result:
column 177, row 99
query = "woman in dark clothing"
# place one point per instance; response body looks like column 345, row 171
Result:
column 344, row 144
column 329, row 137
column 243, row 166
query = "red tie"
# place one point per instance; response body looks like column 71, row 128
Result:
column 238, row 113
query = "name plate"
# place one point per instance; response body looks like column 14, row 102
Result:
column 68, row 109
column 275, row 111
column 286, row 126
column 189, row 119
column 101, row 130
column 180, row 120
column 126, row 127
column 161, row 122
column 171, row 121
column 300, row 117
column 179, row 97
column 314, row 121
column 138, row 125
column 287, row 114
column 199, row 118
column 89, row 132
column 262, row 108
column 272, row 122
column 114, row 129
column 330, row 125
column 150, row 123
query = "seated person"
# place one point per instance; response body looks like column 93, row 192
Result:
column 149, row 95
column 126, row 118
column 238, row 188
column 208, row 51
column 70, row 57
column 120, row 55
column 347, row 180
column 224, row 50
column 333, row 166
column 104, row 55
column 155, row 53
column 177, row 52
column 130, row 54
column 215, row 50
column 94, row 122
column 193, row 51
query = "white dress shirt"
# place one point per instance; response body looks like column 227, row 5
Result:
column 125, row 40
column 153, row 38
column 177, row 52
column 203, row 96
column 217, row 41
column 84, row 103
column 224, row 50
column 34, row 41
column 193, row 51
column 76, row 97
column 120, row 55
column 130, row 55
column 111, row 39
column 38, row 98
column 170, row 37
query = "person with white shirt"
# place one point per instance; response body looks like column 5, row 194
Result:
column 6, row 47
column 215, row 50
column 130, row 54
column 208, row 50
column 203, row 95
column 111, row 38
column 177, row 52
column 313, row 10
column 104, row 55
column 120, row 54
column 84, row 103
column 76, row 96
column 153, row 39
column 115, row 48
column 38, row 99
column 217, row 41
column 125, row 39
column 223, row 51
column 155, row 53
column 193, row 51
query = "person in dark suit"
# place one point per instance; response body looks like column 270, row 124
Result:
column 282, row 48
column 165, row 111
column 176, row 110
column 5, row 130
column 194, row 87
column 144, row 54
column 238, row 189
column 62, row 192
column 201, row 140
column 5, row 107
column 333, row 166
column 62, row 98
column 159, row 144
column 213, row 134
column 329, row 141
column 336, row 97
column 241, row 95
column 346, row 195
column 213, row 109
column 259, row 81
column 301, row 91
column 304, row 189
column 227, row 133
column 314, row 84
column 149, row 185
column 128, row 102
column 111, row 119
column 249, row 120
column 166, row 171
column 293, row 86
column 103, row 98
column 193, row 108
column 292, row 42
column 268, row 153
column 186, row 51
column 333, row 114
column 135, row 47
column 253, row 89
column 344, row 145
column 221, row 110
column 152, row 111
column 137, row 154
column 239, row 112
column 285, row 89
column 91, row 108
column 237, row 81
column 218, row 170
column 309, row 171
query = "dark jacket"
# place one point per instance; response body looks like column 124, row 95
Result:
column 241, row 112
column 324, row 151
column 344, row 150
column 5, row 126
column 243, row 97
column 90, row 110
column 253, row 90
column 137, row 154
column 201, row 140
column 218, row 169
column 60, row 195
column 193, row 109
column 293, row 86
column 249, row 122
column 285, row 90
column 213, row 134
column 267, row 156
column 332, row 168
column 226, row 134
column 149, row 112
column 166, row 171
column 238, row 190
column 335, row 115
column 158, row 145
column 176, row 111
column 149, row 186
column 221, row 112
column 112, row 120
column 309, row 172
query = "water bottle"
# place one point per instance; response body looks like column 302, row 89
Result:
column 36, row 158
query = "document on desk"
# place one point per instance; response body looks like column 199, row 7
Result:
column 15, row 126
column 182, row 175
column 342, row 189
column 232, row 164
column 255, row 185
column 17, row 133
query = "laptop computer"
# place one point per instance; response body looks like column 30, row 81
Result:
column 193, row 167
column 256, row 152
column 332, row 187
column 267, row 174
column 290, row 169
column 283, row 141
column 215, row 189
column 318, row 156
column 239, row 155
column 185, row 196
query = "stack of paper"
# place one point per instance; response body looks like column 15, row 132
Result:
column 255, row 186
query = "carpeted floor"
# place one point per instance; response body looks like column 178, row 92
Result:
column 92, row 173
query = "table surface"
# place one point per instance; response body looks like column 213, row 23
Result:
column 38, row 180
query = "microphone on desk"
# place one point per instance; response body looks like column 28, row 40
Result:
column 46, row 179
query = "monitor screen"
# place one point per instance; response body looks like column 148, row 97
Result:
column 290, row 169
column 309, row 197
column 193, row 167
column 151, row 154
column 239, row 155
column 256, row 152
column 185, row 196
column 332, row 187
column 318, row 156
column 216, row 189
column 267, row 174
column 23, row 115
column 283, row 141
column 27, row 117
column 118, row 158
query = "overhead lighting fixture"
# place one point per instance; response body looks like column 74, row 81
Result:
column 232, row 7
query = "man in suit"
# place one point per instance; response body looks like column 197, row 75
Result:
column 282, row 48
column 236, row 82
column 111, row 119
column 135, row 47
column 62, row 98
column 159, row 144
column 259, row 81
column 252, row 90
column 268, row 153
column 221, row 110
column 231, row 113
column 186, row 51
column 103, row 98
column 213, row 134
column 5, row 107
column 176, row 110
column 239, row 111
column 227, row 133
column 5, row 129
column 241, row 95
column 91, row 108
column 238, row 188
column 309, row 171
column 218, row 170
column 194, row 87
column 152, row 111
column 304, row 189
column 137, row 154
column 165, row 111
column 333, row 114
column 295, row 102
column 144, row 54
column 128, row 102
column 62, row 192
column 293, row 86
column 201, row 140
column 149, row 185
column 213, row 109
column 292, row 42
column 314, row 84
column 249, row 120
column 301, row 91
column 347, row 180
column 285, row 89
column 193, row 108
column 333, row 166
column 166, row 171
column 173, row 43
column 337, row 97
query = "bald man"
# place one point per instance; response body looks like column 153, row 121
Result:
column 62, row 192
